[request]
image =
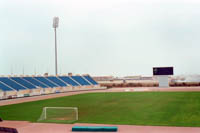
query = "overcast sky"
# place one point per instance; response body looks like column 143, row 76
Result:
column 100, row 37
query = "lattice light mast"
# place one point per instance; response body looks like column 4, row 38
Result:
column 55, row 25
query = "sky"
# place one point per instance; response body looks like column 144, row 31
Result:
column 100, row 37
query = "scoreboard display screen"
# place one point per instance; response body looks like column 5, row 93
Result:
column 163, row 71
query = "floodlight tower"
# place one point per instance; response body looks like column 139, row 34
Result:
column 55, row 25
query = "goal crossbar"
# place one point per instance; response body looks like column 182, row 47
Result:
column 45, row 111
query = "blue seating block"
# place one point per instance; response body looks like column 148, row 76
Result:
column 23, row 82
column 91, row 80
column 3, row 87
column 45, row 81
column 12, row 84
column 57, row 81
column 68, row 80
column 80, row 80
column 35, row 82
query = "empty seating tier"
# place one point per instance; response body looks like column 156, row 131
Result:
column 57, row 81
column 46, row 81
column 4, row 87
column 68, row 80
column 37, row 83
column 11, row 87
column 23, row 82
column 80, row 80
column 12, row 84
column 91, row 80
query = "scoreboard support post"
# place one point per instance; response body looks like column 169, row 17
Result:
column 163, row 81
column 162, row 74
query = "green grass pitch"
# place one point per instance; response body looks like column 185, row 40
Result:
column 133, row 108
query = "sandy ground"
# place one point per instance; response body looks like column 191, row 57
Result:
column 27, row 127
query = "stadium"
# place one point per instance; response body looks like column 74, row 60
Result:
column 125, row 66
column 79, row 103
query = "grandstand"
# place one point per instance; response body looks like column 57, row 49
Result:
column 11, row 87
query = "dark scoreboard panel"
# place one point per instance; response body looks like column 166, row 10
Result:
column 163, row 71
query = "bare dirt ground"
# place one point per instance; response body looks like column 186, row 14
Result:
column 27, row 127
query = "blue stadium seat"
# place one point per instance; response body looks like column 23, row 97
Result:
column 91, row 80
column 12, row 84
column 57, row 81
column 80, row 80
column 46, row 81
column 3, row 87
column 68, row 80
column 23, row 82
column 35, row 82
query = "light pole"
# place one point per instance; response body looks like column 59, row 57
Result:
column 55, row 25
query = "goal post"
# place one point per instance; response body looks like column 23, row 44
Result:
column 59, row 114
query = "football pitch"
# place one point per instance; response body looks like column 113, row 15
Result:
column 130, row 108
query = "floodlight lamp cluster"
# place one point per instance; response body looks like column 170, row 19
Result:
column 55, row 22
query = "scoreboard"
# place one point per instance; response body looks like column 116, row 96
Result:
column 163, row 71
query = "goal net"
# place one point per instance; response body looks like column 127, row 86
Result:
column 59, row 114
